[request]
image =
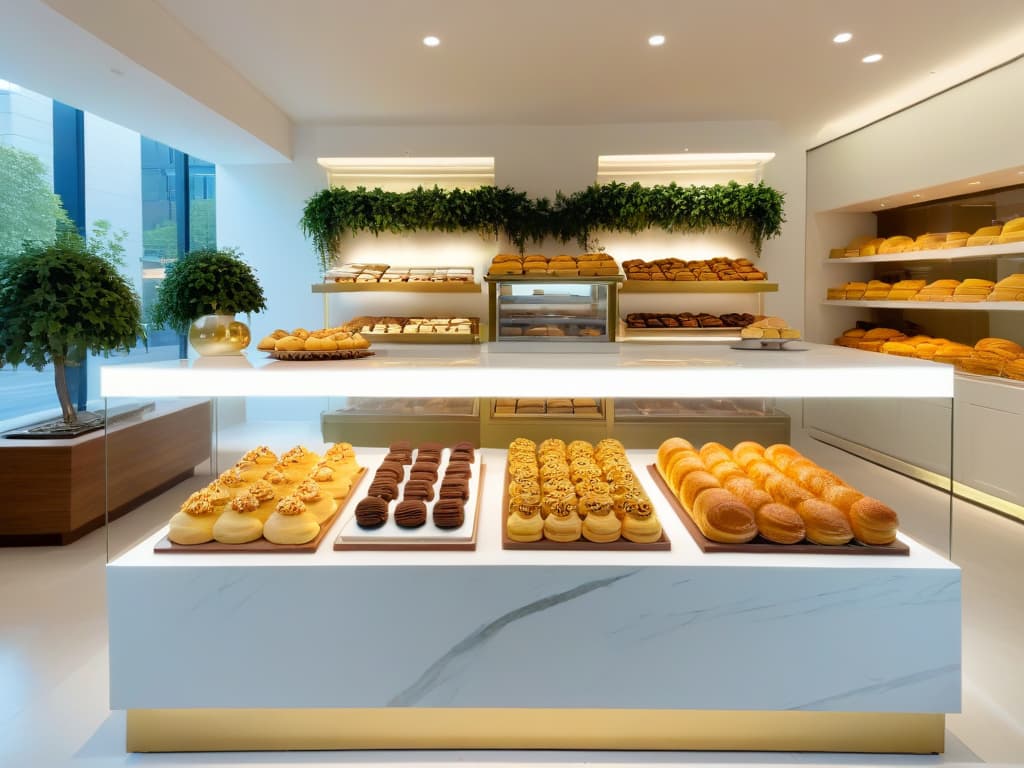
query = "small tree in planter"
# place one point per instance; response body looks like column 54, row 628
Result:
column 208, row 282
column 60, row 301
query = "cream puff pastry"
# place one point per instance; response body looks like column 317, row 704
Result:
column 291, row 523
column 239, row 523
column 193, row 524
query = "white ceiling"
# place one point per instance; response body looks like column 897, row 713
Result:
column 587, row 61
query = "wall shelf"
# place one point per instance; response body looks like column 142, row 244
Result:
column 972, row 306
column 446, row 287
column 698, row 286
column 974, row 253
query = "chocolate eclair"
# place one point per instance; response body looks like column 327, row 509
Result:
column 383, row 489
column 456, row 488
column 461, row 469
column 422, row 490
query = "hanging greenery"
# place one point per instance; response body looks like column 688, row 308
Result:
column 752, row 209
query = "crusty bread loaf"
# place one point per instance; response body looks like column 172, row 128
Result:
column 723, row 517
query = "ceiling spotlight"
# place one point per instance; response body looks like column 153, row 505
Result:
column 842, row 37
column 881, row 205
column 871, row 59
column 973, row 183
column 431, row 41
column 655, row 40
column 916, row 196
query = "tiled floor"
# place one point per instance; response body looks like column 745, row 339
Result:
column 53, row 657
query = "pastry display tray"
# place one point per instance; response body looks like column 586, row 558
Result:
column 261, row 544
column 428, row 537
column 622, row 545
column 760, row 545
column 302, row 355
column 422, row 338
column 770, row 345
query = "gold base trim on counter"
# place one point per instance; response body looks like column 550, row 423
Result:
column 224, row 730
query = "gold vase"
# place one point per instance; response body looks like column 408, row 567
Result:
column 219, row 335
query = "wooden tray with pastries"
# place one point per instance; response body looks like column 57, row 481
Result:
column 262, row 545
column 620, row 545
column 331, row 354
column 762, row 545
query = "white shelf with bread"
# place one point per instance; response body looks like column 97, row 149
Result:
column 970, row 306
column 1009, row 251
column 450, row 623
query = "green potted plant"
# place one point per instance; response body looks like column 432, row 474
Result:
column 200, row 295
column 59, row 301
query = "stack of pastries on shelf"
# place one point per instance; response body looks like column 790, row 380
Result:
column 776, row 493
column 663, row 406
column 689, row 320
column 719, row 268
column 536, row 406
column 391, row 325
column 383, row 273
column 970, row 290
column 769, row 328
column 988, row 357
column 537, row 265
column 413, row 481
column 302, row 340
column 996, row 234
column 284, row 500
column 564, row 492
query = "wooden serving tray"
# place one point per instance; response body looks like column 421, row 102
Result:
column 622, row 545
column 261, row 544
column 321, row 354
column 424, row 546
column 763, row 545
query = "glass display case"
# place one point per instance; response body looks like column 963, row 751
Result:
column 551, row 309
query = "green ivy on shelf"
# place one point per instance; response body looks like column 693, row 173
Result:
column 752, row 209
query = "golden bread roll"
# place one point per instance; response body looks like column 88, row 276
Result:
column 898, row 348
column 855, row 333
column 1013, row 226
column 683, row 465
column 724, row 470
column 747, row 451
column 712, row 453
column 896, row 244
column 693, row 484
column 760, row 470
column 781, row 455
column 881, row 334
column 669, row 448
column 723, row 517
column 290, row 344
column 748, row 492
column 841, row 496
column 779, row 523
column 993, row 231
column 873, row 522
column 786, row 491
column 1005, row 348
column 818, row 482
column 825, row 523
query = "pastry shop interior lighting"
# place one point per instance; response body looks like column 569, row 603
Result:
column 872, row 58
column 842, row 37
column 656, row 40
column 973, row 183
column 431, row 41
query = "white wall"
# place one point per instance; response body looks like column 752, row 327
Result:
column 258, row 207
column 26, row 122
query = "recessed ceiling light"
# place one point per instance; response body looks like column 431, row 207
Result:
column 916, row 196
column 431, row 41
column 656, row 40
column 842, row 37
column 872, row 58
column 973, row 183
column 882, row 205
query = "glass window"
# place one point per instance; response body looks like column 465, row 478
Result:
column 202, row 213
column 28, row 211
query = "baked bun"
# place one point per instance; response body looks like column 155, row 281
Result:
column 746, row 452
column 873, row 522
column 712, row 453
column 683, row 465
column 723, row 470
column 748, row 492
column 786, row 491
column 825, row 523
column 781, row 455
column 722, row 517
column 841, row 496
column 668, row 449
column 779, row 523
column 695, row 483
column 760, row 470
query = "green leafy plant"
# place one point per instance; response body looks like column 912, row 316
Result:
column 108, row 243
column 204, row 283
column 60, row 301
column 753, row 209
column 29, row 210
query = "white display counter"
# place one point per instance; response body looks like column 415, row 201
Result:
column 495, row 648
